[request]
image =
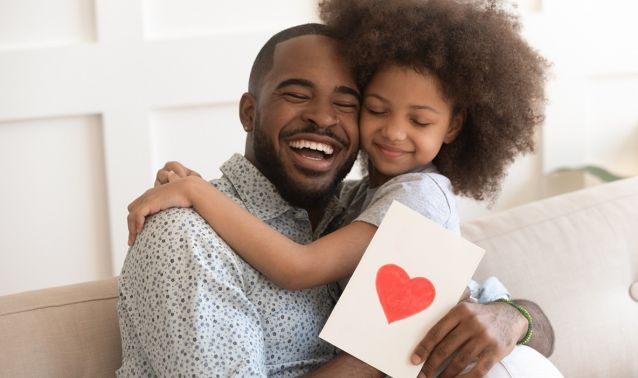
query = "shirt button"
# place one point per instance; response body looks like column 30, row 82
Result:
column 633, row 291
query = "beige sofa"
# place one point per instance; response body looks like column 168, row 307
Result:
column 575, row 254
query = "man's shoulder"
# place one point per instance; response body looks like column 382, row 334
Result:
column 173, row 232
column 172, row 219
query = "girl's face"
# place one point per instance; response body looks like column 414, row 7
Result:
column 405, row 119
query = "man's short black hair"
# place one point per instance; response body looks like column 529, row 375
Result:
column 264, row 60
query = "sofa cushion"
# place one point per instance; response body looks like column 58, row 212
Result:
column 576, row 255
column 69, row 331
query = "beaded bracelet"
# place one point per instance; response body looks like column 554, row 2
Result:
column 527, row 316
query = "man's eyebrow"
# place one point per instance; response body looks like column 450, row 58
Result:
column 348, row 90
column 294, row 81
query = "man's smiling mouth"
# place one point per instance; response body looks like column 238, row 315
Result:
column 312, row 150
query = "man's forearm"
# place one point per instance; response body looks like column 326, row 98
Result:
column 543, row 334
column 345, row 365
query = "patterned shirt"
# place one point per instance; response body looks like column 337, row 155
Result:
column 190, row 306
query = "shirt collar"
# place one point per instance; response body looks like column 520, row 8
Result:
column 257, row 193
column 260, row 196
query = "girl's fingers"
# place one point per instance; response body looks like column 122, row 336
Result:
column 130, row 220
column 172, row 176
column 177, row 168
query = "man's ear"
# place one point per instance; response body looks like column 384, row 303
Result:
column 247, row 111
column 456, row 125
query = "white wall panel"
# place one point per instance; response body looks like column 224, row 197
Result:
column 178, row 18
column 201, row 137
column 611, row 48
column 54, row 225
column 36, row 23
column 612, row 123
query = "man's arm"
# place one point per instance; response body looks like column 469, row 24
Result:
column 543, row 334
column 345, row 365
column 487, row 332
column 183, row 307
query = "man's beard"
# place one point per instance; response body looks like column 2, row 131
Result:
column 291, row 191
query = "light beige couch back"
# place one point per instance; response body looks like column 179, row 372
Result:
column 576, row 255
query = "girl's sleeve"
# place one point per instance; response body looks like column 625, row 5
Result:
column 429, row 194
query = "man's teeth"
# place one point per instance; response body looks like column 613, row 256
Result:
column 299, row 144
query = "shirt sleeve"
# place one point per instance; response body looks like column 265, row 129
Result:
column 183, row 307
column 422, row 192
column 491, row 290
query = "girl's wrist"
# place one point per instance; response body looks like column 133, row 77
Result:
column 195, row 190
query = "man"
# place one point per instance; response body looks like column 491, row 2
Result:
column 190, row 306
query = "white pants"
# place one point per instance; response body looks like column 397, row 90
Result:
column 523, row 362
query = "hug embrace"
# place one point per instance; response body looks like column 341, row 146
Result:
column 237, row 276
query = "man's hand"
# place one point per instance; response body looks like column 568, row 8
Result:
column 172, row 169
column 470, row 332
column 175, row 193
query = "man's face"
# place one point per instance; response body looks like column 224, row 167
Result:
column 305, row 133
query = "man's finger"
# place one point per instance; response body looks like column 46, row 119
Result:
column 486, row 361
column 462, row 359
column 446, row 349
column 434, row 336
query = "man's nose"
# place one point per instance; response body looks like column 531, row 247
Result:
column 321, row 113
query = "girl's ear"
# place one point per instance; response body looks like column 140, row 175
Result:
column 456, row 125
column 247, row 111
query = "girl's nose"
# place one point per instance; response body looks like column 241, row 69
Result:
column 394, row 130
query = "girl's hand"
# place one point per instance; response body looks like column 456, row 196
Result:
column 177, row 192
column 172, row 170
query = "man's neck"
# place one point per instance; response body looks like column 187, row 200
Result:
column 315, row 216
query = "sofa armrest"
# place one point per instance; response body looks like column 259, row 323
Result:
column 69, row 331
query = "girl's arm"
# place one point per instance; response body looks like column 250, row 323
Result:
column 288, row 264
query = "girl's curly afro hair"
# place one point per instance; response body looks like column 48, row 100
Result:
column 486, row 69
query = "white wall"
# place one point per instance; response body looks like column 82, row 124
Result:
column 96, row 94
column 94, row 97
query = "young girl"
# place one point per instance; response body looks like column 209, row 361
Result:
column 451, row 94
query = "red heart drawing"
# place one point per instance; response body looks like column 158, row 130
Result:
column 400, row 296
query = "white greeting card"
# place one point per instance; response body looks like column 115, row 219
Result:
column 413, row 272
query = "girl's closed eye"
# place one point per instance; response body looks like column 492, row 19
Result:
column 421, row 123
column 375, row 110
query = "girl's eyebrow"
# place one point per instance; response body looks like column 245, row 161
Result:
column 418, row 107
column 424, row 107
